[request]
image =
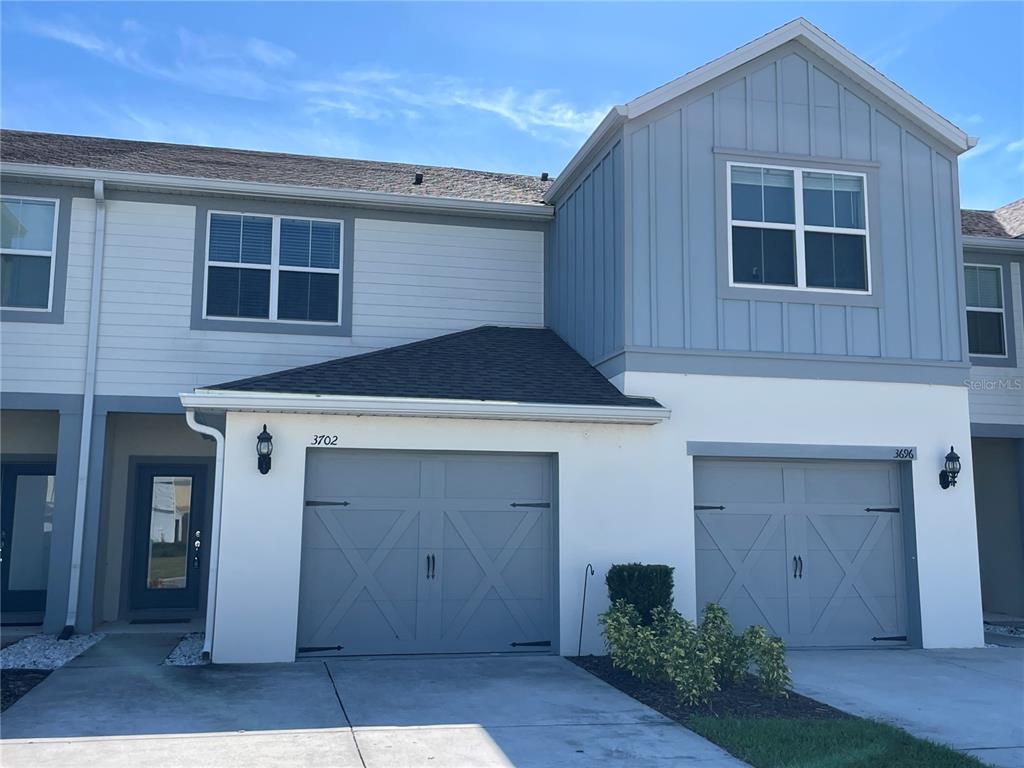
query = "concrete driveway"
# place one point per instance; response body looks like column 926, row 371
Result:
column 119, row 706
column 972, row 700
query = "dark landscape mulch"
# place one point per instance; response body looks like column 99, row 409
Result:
column 740, row 701
column 15, row 683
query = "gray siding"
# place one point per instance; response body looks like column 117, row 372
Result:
column 789, row 108
column 585, row 269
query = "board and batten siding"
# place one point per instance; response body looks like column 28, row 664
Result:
column 780, row 109
column 585, row 271
column 412, row 281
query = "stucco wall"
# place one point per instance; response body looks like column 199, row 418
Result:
column 624, row 493
column 29, row 432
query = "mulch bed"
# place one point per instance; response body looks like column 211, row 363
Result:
column 15, row 683
column 743, row 700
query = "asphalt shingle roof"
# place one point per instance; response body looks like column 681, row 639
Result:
column 527, row 365
column 1007, row 221
column 267, row 167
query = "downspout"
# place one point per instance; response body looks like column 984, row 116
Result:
column 218, row 474
column 88, row 402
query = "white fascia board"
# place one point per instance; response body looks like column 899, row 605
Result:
column 1003, row 244
column 817, row 41
column 386, row 200
column 223, row 400
column 612, row 121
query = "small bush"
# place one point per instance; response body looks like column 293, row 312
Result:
column 645, row 587
column 689, row 661
column 632, row 645
column 729, row 648
column 769, row 657
column 697, row 660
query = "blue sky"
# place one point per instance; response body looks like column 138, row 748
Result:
column 509, row 87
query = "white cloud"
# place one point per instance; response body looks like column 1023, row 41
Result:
column 983, row 147
column 270, row 54
column 1015, row 146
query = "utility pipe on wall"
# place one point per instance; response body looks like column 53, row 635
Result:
column 88, row 401
column 218, row 474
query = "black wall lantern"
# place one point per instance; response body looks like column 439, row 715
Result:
column 947, row 477
column 264, row 447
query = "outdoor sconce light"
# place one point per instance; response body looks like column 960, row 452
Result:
column 947, row 477
column 264, row 447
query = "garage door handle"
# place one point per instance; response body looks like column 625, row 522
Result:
column 800, row 558
column 794, row 566
column 433, row 566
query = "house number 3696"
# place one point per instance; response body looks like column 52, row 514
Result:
column 904, row 453
column 325, row 440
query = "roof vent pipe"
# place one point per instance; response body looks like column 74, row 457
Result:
column 418, row 179
column 544, row 176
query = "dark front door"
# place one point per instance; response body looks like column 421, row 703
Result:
column 169, row 549
column 26, row 524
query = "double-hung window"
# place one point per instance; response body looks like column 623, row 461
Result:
column 986, row 315
column 278, row 268
column 28, row 249
column 797, row 228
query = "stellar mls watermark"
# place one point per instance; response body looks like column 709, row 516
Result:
column 996, row 384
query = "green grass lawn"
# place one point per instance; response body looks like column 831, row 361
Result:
column 772, row 742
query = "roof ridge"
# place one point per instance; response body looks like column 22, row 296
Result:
column 266, row 153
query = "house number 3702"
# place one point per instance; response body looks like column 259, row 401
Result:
column 325, row 440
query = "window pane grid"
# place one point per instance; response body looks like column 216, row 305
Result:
column 828, row 206
column 28, row 241
column 986, row 318
column 276, row 268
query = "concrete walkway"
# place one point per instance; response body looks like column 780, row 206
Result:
column 972, row 700
column 118, row 706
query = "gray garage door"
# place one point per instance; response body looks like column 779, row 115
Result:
column 813, row 551
column 426, row 553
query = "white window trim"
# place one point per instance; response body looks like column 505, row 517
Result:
column 275, row 268
column 1001, row 310
column 798, row 228
column 51, row 254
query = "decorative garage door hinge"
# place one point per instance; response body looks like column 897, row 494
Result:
column 310, row 503
column 706, row 506
column 881, row 509
column 893, row 638
column 541, row 504
column 318, row 648
column 534, row 644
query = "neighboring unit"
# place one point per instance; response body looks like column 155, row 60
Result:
column 993, row 262
column 326, row 406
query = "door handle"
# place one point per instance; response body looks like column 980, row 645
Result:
column 428, row 566
column 794, row 566
column 801, row 559
column 433, row 566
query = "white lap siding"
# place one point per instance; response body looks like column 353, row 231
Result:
column 412, row 281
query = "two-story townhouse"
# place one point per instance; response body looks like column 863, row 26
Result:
column 993, row 262
column 729, row 337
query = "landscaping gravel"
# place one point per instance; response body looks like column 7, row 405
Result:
column 45, row 651
column 189, row 652
column 1002, row 629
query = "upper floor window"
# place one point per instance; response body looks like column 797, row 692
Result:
column 798, row 228
column 986, row 316
column 28, row 247
column 273, row 268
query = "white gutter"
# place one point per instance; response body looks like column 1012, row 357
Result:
column 1002, row 244
column 386, row 200
column 214, row 540
column 260, row 402
column 88, row 401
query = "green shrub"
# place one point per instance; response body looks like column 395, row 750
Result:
column 769, row 657
column 688, row 660
column 632, row 645
column 696, row 660
column 643, row 586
